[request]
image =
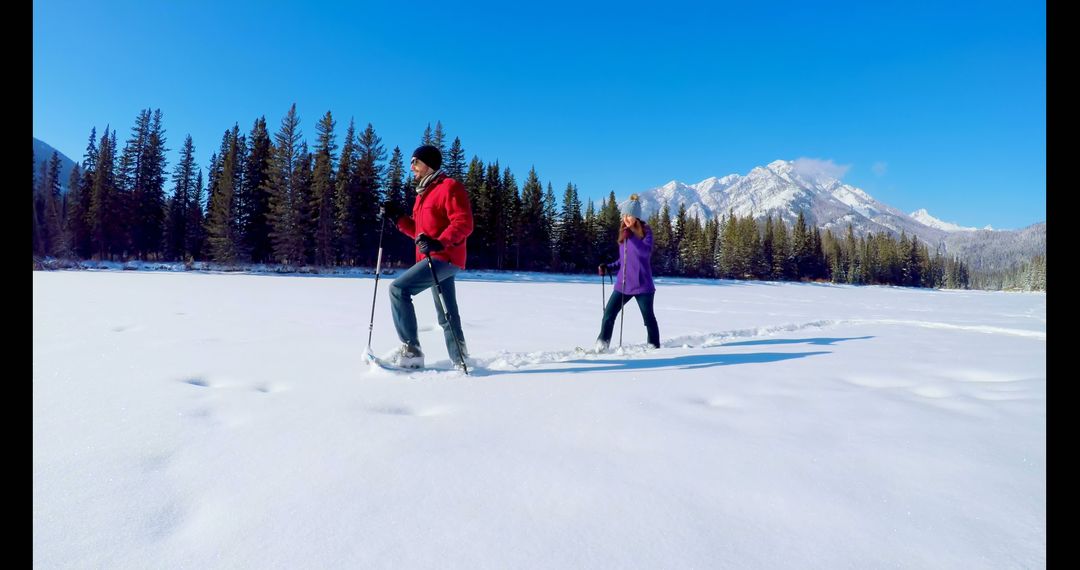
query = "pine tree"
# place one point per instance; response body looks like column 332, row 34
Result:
column 718, row 248
column 396, row 245
column 131, row 185
column 52, row 217
column 854, row 272
column 726, row 255
column 535, row 233
column 214, row 169
column 303, row 202
column 592, row 235
column 955, row 273
column 783, row 256
column 937, row 269
column 551, row 221
column 833, row 259
column 768, row 248
column 119, row 218
column 875, row 270
column 609, row 222
column 39, row 240
column 438, row 140
column 817, row 256
column 755, row 261
column 887, row 262
column 179, row 206
column 101, row 216
column 496, row 215
column 487, row 213
column 322, row 186
column 71, row 212
column 712, row 235
column 283, row 186
column 41, row 184
column 454, row 165
column 480, row 199
column 80, row 222
column 220, row 223
column 1038, row 273
column 346, row 188
column 140, row 190
column 571, row 232
column 196, row 234
column 739, row 259
column 663, row 238
column 511, row 202
column 242, row 196
column 870, row 270
column 149, row 206
column 689, row 245
column 677, row 235
column 919, row 261
column 255, row 205
column 801, row 247
column 369, row 175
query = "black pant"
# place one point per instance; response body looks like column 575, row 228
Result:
column 644, row 302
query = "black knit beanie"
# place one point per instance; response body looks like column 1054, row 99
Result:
column 429, row 155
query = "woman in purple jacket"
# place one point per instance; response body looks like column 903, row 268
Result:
column 634, row 279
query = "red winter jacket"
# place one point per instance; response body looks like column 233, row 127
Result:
column 442, row 211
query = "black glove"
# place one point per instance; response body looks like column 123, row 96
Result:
column 393, row 211
column 603, row 269
column 428, row 244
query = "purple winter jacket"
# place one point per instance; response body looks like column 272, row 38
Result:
column 634, row 265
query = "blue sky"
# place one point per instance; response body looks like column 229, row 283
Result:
column 937, row 105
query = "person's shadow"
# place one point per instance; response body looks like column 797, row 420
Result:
column 684, row 362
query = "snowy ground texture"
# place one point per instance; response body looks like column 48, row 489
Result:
column 201, row 420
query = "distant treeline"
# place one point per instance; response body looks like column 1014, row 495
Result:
column 275, row 200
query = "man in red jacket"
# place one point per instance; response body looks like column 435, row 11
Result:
column 441, row 221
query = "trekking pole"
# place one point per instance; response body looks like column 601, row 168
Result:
column 446, row 311
column 378, row 268
column 603, row 291
column 623, row 306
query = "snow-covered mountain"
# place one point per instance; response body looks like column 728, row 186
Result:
column 924, row 217
column 785, row 187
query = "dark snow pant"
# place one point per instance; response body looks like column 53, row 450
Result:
column 414, row 280
column 644, row 302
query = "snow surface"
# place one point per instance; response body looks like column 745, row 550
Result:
column 201, row 420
